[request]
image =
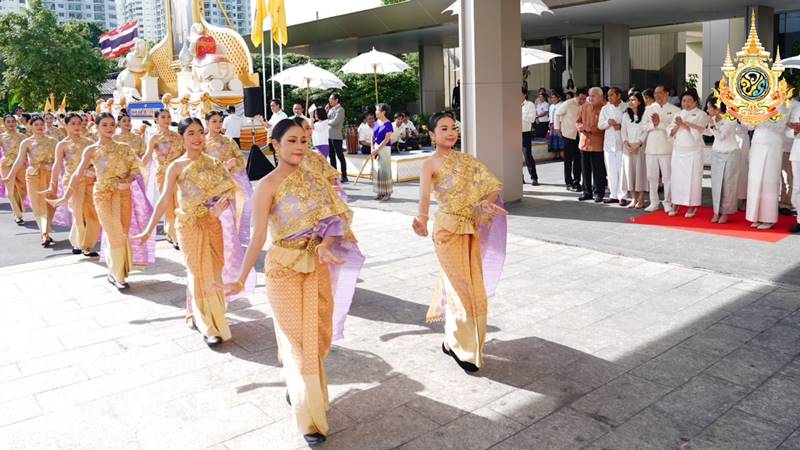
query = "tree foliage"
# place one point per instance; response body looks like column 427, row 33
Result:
column 396, row 89
column 41, row 57
column 391, row 2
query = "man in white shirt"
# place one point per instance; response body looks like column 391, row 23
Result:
column 297, row 109
column 365, row 133
column 399, row 134
column 232, row 125
column 793, row 132
column 611, row 121
column 412, row 138
column 277, row 114
column 787, row 172
column 658, row 150
column 565, row 118
column 528, row 117
column 336, row 116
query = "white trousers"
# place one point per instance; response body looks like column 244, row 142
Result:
column 613, row 162
column 660, row 164
column 796, row 186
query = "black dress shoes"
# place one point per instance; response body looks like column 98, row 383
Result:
column 466, row 366
column 314, row 439
column 47, row 242
column 212, row 341
column 598, row 199
column 288, row 399
column 19, row 221
column 76, row 251
column 584, row 197
column 535, row 183
column 795, row 228
column 786, row 212
column 91, row 254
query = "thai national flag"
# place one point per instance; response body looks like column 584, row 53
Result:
column 117, row 42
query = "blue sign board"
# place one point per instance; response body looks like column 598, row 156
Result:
column 143, row 110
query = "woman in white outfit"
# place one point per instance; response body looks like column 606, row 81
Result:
column 724, row 161
column 764, row 174
column 687, row 154
column 743, row 139
column 634, row 134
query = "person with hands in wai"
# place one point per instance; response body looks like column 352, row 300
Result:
column 469, row 238
column 310, row 271
column 119, row 200
column 206, row 226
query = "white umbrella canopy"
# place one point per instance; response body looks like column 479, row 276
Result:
column 532, row 56
column 525, row 7
column 375, row 62
column 792, row 63
column 310, row 77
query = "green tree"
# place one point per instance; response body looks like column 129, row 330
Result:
column 396, row 89
column 392, row 2
column 90, row 31
column 42, row 57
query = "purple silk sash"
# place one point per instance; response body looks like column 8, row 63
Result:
column 62, row 216
column 234, row 253
column 143, row 253
column 244, row 219
column 343, row 276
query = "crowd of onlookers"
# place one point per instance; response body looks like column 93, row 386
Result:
column 626, row 147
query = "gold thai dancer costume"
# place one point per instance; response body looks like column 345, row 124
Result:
column 471, row 250
column 224, row 149
column 309, row 300
column 41, row 155
column 85, row 229
column 15, row 190
column 169, row 147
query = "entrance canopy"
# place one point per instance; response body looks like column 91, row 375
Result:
column 406, row 26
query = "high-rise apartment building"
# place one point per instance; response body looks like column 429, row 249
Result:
column 152, row 15
column 104, row 12
column 12, row 6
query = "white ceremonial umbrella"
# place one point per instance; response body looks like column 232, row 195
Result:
column 792, row 63
column 375, row 62
column 532, row 56
column 525, row 7
column 310, row 77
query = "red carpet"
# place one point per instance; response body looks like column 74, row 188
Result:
column 737, row 225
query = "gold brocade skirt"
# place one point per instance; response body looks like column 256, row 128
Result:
column 204, row 255
column 38, row 181
column 114, row 212
column 462, row 283
column 16, row 190
column 169, row 228
column 85, row 225
column 302, row 304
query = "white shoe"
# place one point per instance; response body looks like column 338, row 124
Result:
column 652, row 208
column 755, row 225
column 765, row 226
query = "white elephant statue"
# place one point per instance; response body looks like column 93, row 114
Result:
column 212, row 72
column 135, row 68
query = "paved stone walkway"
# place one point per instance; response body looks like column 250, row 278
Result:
column 585, row 349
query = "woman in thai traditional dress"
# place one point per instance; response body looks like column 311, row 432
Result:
column 39, row 152
column 119, row 199
column 687, row 129
column 316, row 162
column 166, row 146
column 14, row 188
column 311, row 269
column 469, row 237
column 725, row 160
column 634, row 135
column 126, row 136
column 85, row 225
column 227, row 151
column 382, row 151
column 206, row 195
column 51, row 130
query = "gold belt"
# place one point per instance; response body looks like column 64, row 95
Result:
column 302, row 252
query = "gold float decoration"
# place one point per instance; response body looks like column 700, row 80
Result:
column 752, row 90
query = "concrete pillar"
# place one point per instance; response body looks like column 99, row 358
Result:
column 717, row 35
column 765, row 25
column 431, row 78
column 616, row 59
column 491, row 124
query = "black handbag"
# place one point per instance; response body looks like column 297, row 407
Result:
column 258, row 165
